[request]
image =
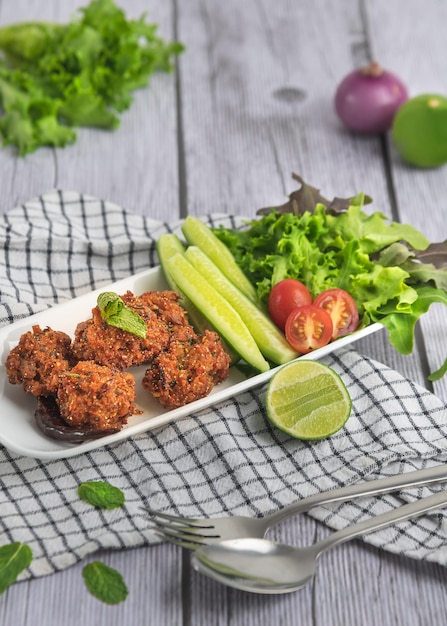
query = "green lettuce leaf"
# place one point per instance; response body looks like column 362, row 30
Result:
column 56, row 77
column 373, row 230
column 400, row 324
column 375, row 260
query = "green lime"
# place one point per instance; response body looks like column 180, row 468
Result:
column 420, row 131
column 308, row 400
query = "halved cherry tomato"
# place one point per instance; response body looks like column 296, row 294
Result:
column 341, row 307
column 286, row 296
column 308, row 327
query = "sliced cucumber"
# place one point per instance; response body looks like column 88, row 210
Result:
column 198, row 234
column 216, row 309
column 167, row 245
column 269, row 338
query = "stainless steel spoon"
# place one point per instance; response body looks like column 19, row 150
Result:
column 263, row 566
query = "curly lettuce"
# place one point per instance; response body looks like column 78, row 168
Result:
column 375, row 260
column 55, row 77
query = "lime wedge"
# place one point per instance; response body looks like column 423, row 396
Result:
column 307, row 400
column 420, row 131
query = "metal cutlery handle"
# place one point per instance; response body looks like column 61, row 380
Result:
column 405, row 512
column 371, row 488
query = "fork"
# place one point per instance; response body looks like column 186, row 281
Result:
column 192, row 533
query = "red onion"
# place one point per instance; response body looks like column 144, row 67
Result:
column 367, row 99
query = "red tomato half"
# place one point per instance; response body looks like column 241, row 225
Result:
column 341, row 307
column 286, row 296
column 308, row 327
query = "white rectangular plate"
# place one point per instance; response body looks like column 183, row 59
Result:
column 18, row 431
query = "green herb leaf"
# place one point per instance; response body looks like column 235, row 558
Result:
column 439, row 373
column 105, row 583
column 101, row 494
column 14, row 558
column 54, row 77
column 116, row 313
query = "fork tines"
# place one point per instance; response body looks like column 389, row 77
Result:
column 182, row 531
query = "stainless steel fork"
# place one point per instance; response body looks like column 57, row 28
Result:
column 192, row 533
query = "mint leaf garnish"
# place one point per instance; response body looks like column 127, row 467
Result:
column 439, row 373
column 105, row 583
column 101, row 494
column 14, row 558
column 115, row 313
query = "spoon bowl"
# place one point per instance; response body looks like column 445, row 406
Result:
column 263, row 566
column 257, row 565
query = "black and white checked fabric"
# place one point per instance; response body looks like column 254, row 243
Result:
column 225, row 460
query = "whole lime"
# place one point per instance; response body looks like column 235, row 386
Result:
column 419, row 131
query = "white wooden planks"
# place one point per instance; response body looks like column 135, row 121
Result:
column 253, row 103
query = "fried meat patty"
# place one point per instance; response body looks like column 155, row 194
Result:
column 37, row 361
column 107, row 345
column 86, row 377
column 188, row 368
column 92, row 396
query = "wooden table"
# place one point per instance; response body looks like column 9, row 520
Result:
column 251, row 102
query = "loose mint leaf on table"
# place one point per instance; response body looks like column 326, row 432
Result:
column 101, row 494
column 105, row 583
column 116, row 313
column 439, row 373
column 14, row 558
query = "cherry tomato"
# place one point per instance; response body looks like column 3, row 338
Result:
column 341, row 307
column 308, row 327
column 285, row 296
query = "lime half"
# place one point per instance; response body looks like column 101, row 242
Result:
column 307, row 400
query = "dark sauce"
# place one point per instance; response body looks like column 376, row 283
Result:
column 49, row 421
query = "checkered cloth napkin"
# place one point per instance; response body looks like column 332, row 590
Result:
column 224, row 460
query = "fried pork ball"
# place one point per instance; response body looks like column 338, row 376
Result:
column 92, row 396
column 165, row 305
column 187, row 369
column 38, row 360
column 107, row 345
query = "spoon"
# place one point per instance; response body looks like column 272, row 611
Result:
column 263, row 566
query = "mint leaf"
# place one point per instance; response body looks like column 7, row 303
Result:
column 101, row 494
column 14, row 558
column 115, row 313
column 439, row 373
column 105, row 583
